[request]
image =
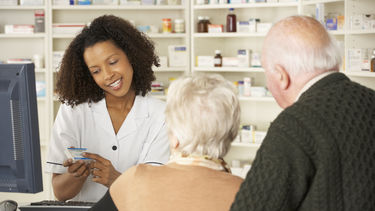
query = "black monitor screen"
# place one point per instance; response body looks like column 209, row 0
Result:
column 20, row 165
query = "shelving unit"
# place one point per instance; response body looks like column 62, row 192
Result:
column 25, row 46
column 258, row 111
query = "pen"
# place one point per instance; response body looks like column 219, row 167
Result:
column 54, row 163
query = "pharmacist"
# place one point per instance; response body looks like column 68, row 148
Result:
column 103, row 82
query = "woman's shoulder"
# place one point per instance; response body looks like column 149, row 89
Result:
column 155, row 106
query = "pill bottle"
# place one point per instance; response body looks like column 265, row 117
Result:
column 179, row 25
column 167, row 25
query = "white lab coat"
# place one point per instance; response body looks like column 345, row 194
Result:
column 141, row 138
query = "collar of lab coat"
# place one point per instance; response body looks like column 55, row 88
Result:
column 138, row 112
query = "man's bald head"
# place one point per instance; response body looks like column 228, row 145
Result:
column 301, row 45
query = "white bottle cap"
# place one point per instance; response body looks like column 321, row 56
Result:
column 217, row 52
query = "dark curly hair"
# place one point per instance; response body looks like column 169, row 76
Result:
column 75, row 85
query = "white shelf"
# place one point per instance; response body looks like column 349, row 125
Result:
column 169, row 69
column 229, row 69
column 153, row 35
column 361, row 74
column 33, row 35
column 19, row 7
column 245, row 5
column 257, row 99
column 361, row 32
column 117, row 7
column 239, row 144
column 228, row 34
column 311, row 2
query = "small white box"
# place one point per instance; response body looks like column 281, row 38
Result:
column 354, row 58
column 177, row 56
column 243, row 26
column 356, row 22
column 57, row 57
column 244, row 57
column 230, row 62
column 19, row 29
column 205, row 61
column 61, row 2
column 163, row 61
column 31, row 2
column 263, row 27
column 258, row 91
column 255, row 60
column 319, row 13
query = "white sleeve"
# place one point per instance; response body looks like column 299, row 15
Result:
column 64, row 134
column 157, row 150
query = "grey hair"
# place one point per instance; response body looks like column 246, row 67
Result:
column 203, row 113
column 301, row 45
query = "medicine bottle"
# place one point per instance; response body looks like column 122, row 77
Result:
column 201, row 24
column 218, row 59
column 231, row 21
column 167, row 25
column 179, row 25
column 206, row 23
column 247, row 87
column 372, row 63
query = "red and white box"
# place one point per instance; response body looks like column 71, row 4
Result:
column 19, row 29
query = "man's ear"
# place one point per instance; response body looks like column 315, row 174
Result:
column 283, row 77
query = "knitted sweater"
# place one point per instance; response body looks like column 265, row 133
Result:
column 319, row 153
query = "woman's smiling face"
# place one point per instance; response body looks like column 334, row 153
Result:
column 110, row 68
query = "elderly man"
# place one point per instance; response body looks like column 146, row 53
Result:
column 319, row 153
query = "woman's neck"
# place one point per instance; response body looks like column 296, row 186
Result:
column 124, row 103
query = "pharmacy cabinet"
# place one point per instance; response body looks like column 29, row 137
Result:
column 141, row 16
column 257, row 111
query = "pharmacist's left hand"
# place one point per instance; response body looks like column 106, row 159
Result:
column 102, row 170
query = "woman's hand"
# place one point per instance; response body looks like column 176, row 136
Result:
column 78, row 169
column 102, row 170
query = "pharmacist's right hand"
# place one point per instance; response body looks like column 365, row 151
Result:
column 78, row 168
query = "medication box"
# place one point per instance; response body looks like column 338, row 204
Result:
column 177, row 55
column 205, row 61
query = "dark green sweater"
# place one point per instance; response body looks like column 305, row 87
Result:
column 319, row 153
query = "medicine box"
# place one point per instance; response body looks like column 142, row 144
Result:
column 215, row 28
column 205, row 61
column 244, row 57
column 56, row 59
column 61, row 2
column 263, row 27
column 40, row 88
column 230, row 62
column 319, row 13
column 331, row 24
column 19, row 29
column 355, row 60
column 68, row 28
column 243, row 26
column 356, row 22
column 31, row 2
column 177, row 55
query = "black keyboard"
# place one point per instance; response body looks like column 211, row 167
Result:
column 49, row 205
column 63, row 203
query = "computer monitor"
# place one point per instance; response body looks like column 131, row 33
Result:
column 20, row 164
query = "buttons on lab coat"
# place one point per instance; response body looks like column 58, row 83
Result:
column 114, row 148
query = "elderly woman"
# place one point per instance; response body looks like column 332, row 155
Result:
column 202, row 116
